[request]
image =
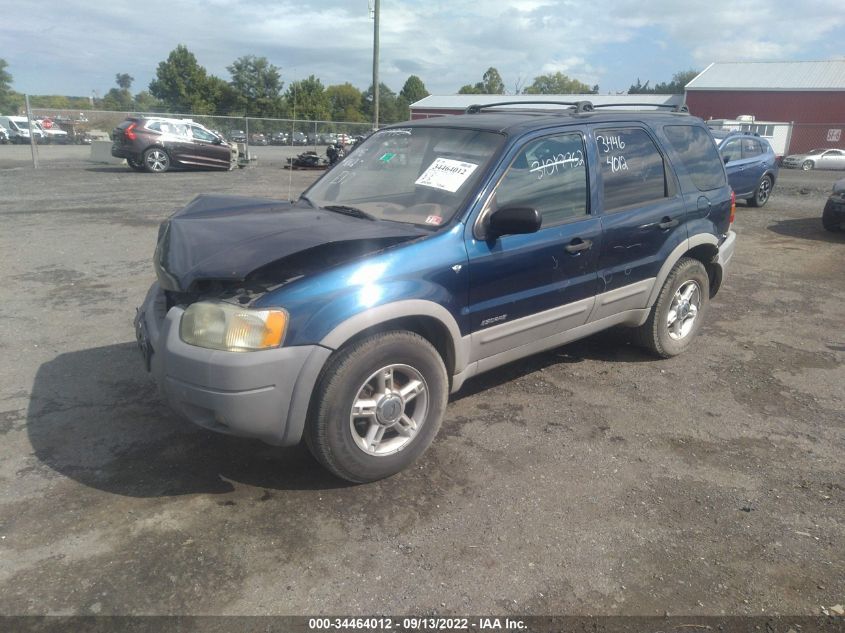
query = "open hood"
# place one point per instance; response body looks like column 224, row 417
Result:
column 226, row 238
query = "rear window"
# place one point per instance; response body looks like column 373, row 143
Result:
column 698, row 153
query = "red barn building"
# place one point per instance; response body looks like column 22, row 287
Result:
column 810, row 95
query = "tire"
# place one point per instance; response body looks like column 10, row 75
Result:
column 807, row 165
column 663, row 333
column 134, row 164
column 156, row 160
column 762, row 193
column 397, row 428
column 829, row 220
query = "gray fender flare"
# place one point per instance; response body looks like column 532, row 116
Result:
column 397, row 310
column 674, row 256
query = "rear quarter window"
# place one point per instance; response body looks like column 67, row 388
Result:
column 698, row 153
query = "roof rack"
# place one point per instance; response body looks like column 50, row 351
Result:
column 579, row 106
column 675, row 108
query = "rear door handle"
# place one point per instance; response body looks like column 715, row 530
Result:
column 577, row 245
column 667, row 223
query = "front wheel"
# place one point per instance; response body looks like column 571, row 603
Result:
column 764, row 190
column 677, row 314
column 378, row 406
column 807, row 165
column 156, row 160
column 829, row 219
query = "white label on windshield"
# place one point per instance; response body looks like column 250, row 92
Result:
column 446, row 174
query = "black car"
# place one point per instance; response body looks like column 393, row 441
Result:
column 238, row 136
column 833, row 217
column 157, row 144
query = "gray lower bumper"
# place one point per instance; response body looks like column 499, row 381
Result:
column 261, row 394
column 726, row 252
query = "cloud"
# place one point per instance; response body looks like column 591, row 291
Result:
column 447, row 42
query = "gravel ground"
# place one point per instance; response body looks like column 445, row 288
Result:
column 592, row 479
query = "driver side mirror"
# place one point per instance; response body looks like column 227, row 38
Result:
column 217, row 140
column 726, row 159
column 514, row 221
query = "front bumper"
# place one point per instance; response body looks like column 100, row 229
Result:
column 263, row 394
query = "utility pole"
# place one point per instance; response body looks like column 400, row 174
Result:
column 31, row 134
column 375, row 62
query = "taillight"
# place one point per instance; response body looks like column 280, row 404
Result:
column 733, row 207
column 132, row 136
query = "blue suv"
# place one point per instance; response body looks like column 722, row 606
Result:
column 751, row 165
column 437, row 250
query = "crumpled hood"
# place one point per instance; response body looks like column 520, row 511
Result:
column 225, row 238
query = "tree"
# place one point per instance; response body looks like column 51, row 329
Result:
column 413, row 90
column 183, row 85
column 8, row 97
column 556, row 84
column 389, row 109
column 676, row 86
column 491, row 84
column 258, row 85
column 307, row 99
column 145, row 102
column 345, row 101
column 124, row 80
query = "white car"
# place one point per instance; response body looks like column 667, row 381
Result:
column 824, row 158
column 51, row 134
column 18, row 128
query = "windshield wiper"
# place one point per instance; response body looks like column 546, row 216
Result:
column 353, row 211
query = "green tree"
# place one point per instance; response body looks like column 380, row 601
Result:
column 258, row 85
column 307, row 99
column 389, row 108
column 413, row 90
column 8, row 97
column 124, row 80
column 345, row 102
column 491, row 84
column 676, row 86
column 145, row 102
column 556, row 84
column 183, row 85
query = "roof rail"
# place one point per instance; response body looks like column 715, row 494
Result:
column 579, row 106
column 675, row 108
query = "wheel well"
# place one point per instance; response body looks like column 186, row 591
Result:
column 707, row 254
column 429, row 328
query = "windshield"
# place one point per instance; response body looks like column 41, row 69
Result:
column 416, row 175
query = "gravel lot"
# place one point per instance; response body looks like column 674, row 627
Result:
column 588, row 480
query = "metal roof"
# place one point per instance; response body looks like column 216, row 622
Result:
column 461, row 102
column 824, row 75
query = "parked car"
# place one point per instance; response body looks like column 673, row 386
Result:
column 823, row 158
column 51, row 134
column 258, row 139
column 4, row 135
column 238, row 136
column 448, row 247
column 279, row 138
column 751, row 165
column 833, row 216
column 157, row 144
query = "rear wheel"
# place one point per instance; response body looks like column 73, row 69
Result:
column 807, row 165
column 764, row 190
column 379, row 405
column 156, row 160
column 678, row 312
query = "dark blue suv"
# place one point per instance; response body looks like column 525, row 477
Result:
column 751, row 165
column 437, row 250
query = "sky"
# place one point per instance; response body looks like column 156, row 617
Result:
column 75, row 47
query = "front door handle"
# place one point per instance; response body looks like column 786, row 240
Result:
column 577, row 245
column 668, row 223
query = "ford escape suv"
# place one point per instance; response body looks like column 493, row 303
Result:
column 437, row 250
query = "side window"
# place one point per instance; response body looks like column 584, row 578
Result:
column 632, row 167
column 549, row 175
column 155, row 126
column 699, row 155
column 201, row 135
column 750, row 148
column 732, row 150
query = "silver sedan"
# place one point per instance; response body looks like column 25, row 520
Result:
column 824, row 158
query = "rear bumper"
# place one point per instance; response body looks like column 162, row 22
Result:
column 120, row 151
column 262, row 394
column 726, row 252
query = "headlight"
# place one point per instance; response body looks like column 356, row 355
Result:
column 226, row 327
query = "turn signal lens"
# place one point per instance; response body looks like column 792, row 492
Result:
column 733, row 207
column 230, row 328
